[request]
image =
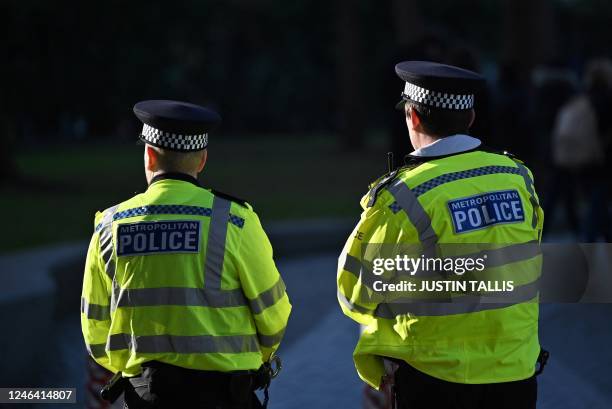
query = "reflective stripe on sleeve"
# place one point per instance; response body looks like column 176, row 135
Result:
column 106, row 242
column 215, row 248
column 96, row 350
column 268, row 298
column 351, row 306
column 184, row 344
column 270, row 340
column 352, row 265
column 95, row 311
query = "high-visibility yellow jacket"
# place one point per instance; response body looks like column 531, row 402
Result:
column 184, row 276
column 428, row 203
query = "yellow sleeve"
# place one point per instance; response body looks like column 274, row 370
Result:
column 95, row 304
column 262, row 285
column 378, row 225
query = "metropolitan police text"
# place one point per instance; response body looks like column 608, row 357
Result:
column 155, row 237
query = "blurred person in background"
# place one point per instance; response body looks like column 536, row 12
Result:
column 581, row 155
column 181, row 296
column 553, row 85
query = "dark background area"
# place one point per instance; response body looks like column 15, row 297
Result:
column 307, row 91
column 74, row 70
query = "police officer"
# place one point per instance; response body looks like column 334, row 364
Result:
column 181, row 296
column 459, row 353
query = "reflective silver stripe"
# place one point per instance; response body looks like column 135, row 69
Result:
column 350, row 306
column 215, row 248
column 352, row 265
column 182, row 296
column 510, row 254
column 106, row 241
column 268, row 298
column 459, row 305
column 271, row 340
column 96, row 350
column 107, row 249
column 495, row 258
column 356, row 268
column 116, row 295
column 184, row 344
column 416, row 213
column 528, row 184
column 95, row 311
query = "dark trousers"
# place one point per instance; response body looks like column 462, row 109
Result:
column 416, row 390
column 162, row 386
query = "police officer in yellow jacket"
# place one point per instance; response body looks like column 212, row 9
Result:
column 453, row 348
column 181, row 295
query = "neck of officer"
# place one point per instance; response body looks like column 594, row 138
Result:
column 153, row 175
column 420, row 139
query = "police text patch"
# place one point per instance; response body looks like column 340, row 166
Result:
column 483, row 210
column 174, row 236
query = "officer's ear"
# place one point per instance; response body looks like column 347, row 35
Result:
column 414, row 117
column 473, row 117
column 151, row 158
column 203, row 160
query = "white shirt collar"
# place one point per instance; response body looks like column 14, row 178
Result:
column 448, row 145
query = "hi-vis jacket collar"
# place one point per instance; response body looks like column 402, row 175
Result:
column 176, row 176
column 448, row 146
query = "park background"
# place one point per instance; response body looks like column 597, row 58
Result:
column 306, row 90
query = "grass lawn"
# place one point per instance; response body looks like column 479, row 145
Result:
column 297, row 177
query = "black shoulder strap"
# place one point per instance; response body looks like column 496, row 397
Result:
column 377, row 187
column 231, row 198
column 386, row 180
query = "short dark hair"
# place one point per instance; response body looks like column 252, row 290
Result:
column 442, row 122
column 172, row 161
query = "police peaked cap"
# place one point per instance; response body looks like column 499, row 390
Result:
column 174, row 125
column 437, row 85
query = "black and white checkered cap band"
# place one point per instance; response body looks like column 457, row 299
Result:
column 437, row 99
column 174, row 141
